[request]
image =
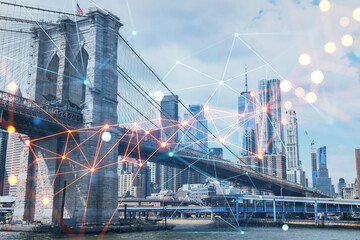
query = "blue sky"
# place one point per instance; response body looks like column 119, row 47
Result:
column 201, row 35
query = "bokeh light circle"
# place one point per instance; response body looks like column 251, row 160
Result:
column 344, row 21
column 285, row 227
column 285, row 85
column 11, row 129
column 330, row 47
column 158, row 95
column 12, row 86
column 347, row 40
column 300, row 92
column 324, row 5
column 304, row 59
column 106, row 136
column 317, row 77
column 311, row 97
column 45, row 200
column 12, row 180
column 288, row 104
column 356, row 14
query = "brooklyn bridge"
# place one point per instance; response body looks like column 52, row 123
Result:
column 88, row 101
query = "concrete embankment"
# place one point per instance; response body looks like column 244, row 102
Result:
column 87, row 229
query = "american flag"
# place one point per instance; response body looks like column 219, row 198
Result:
column 79, row 9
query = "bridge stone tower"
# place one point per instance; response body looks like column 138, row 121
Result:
column 81, row 62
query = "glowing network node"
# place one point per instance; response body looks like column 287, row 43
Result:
column 264, row 109
column 36, row 120
column 300, row 92
column 284, row 121
column 260, row 197
column 63, row 157
column 260, row 156
column 356, row 14
column 12, row 86
column 92, row 169
column 147, row 132
column 184, row 123
column 135, row 124
column 222, row 140
column 206, row 108
column 69, row 131
column 85, row 82
column 344, row 21
column 106, row 136
column 37, row 159
column 11, row 129
column 12, row 180
column 242, row 232
column 285, row 85
column 324, row 5
column 171, row 154
column 45, row 200
column 177, row 62
column 246, row 173
column 311, row 97
column 330, row 47
column 133, row 32
column 221, row 82
column 123, row 159
column 242, row 115
column 27, row 142
column 252, row 93
column 347, row 40
column 285, row 227
column 304, row 59
column 158, row 95
column 288, row 104
column 163, row 144
column 106, row 126
column 236, row 34
column 317, row 76
column 140, row 164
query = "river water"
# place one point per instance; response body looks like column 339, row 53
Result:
column 213, row 232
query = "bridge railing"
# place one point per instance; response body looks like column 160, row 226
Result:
column 19, row 105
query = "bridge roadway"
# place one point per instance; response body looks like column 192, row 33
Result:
column 215, row 167
column 20, row 112
column 34, row 119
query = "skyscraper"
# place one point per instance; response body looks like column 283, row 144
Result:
column 170, row 177
column 170, row 118
column 271, row 138
column 292, row 140
column 341, row 185
column 313, row 164
column 196, row 135
column 246, row 110
column 323, row 182
column 357, row 159
column 3, row 146
column 15, row 153
column 294, row 172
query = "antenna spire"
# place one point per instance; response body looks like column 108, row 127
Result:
column 246, row 85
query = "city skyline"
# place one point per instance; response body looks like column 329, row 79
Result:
column 96, row 114
column 215, row 53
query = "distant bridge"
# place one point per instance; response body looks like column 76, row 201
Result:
column 245, row 206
